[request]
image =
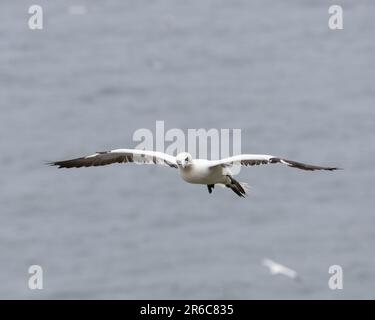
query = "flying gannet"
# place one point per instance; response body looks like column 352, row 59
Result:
column 197, row 171
column 277, row 268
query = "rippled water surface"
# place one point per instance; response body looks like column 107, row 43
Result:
column 273, row 69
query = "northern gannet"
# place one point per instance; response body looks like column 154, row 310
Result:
column 197, row 171
column 277, row 268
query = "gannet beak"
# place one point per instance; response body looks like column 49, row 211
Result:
column 181, row 164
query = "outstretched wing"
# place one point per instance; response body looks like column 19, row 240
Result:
column 258, row 159
column 119, row 156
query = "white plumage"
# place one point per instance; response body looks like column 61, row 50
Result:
column 277, row 268
column 197, row 171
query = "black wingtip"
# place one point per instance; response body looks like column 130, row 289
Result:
column 334, row 169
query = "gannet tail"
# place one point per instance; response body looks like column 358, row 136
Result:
column 238, row 188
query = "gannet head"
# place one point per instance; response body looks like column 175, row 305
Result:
column 184, row 159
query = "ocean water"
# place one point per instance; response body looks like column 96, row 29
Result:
column 273, row 69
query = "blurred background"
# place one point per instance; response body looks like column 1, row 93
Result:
column 99, row 70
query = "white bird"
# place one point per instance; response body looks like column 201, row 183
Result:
column 276, row 268
column 197, row 171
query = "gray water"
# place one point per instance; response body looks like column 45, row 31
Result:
column 273, row 69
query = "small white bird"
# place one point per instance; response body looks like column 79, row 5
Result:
column 197, row 171
column 276, row 268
